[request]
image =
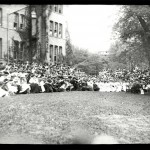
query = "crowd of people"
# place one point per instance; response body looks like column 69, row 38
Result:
column 17, row 78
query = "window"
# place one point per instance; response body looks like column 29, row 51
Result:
column 1, row 16
column 60, row 51
column 51, row 52
column 55, row 54
column 16, row 21
column 60, row 9
column 56, row 30
column 21, row 50
column 33, row 9
column 22, row 21
column 0, row 48
column 56, row 8
column 60, row 30
column 51, row 7
column 15, row 25
column 15, row 55
column 16, row 47
column 51, row 28
column 33, row 13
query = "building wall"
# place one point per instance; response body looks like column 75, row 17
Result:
column 12, row 34
column 59, row 18
column 44, row 39
column 51, row 40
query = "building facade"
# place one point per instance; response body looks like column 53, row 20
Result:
column 9, row 23
column 51, row 33
column 48, row 33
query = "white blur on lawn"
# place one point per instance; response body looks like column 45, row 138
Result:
column 90, row 26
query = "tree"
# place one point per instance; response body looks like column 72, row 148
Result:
column 69, row 52
column 126, row 55
column 81, row 58
column 79, row 55
column 134, row 33
column 88, row 62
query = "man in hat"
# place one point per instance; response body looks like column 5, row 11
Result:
column 48, row 85
column 95, row 86
column 25, row 88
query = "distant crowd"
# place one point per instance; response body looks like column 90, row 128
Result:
column 27, row 78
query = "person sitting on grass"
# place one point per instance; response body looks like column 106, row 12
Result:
column 12, row 88
column 24, row 87
column 48, row 85
column 95, row 86
column 90, row 85
column 3, row 90
column 136, row 88
column 34, row 84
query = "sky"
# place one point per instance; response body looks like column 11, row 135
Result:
column 90, row 26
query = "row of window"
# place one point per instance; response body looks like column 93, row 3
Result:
column 57, row 8
column 56, row 29
column 55, row 52
column 17, row 21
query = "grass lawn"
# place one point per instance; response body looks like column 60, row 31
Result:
column 52, row 118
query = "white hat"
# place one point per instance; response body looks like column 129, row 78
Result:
column 16, row 79
column 22, row 75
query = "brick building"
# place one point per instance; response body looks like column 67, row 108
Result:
column 48, row 33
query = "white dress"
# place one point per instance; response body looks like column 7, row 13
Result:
column 90, row 84
column 119, row 87
column 42, row 86
column 3, row 93
column 102, row 87
column 124, row 86
column 11, row 88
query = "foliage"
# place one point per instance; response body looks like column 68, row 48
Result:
column 132, row 28
column 87, row 62
column 69, row 51
column 79, row 55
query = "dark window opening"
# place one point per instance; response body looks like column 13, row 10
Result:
column 51, row 28
column 51, row 52
column 56, row 8
column 16, row 21
column 56, row 30
column 60, row 30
